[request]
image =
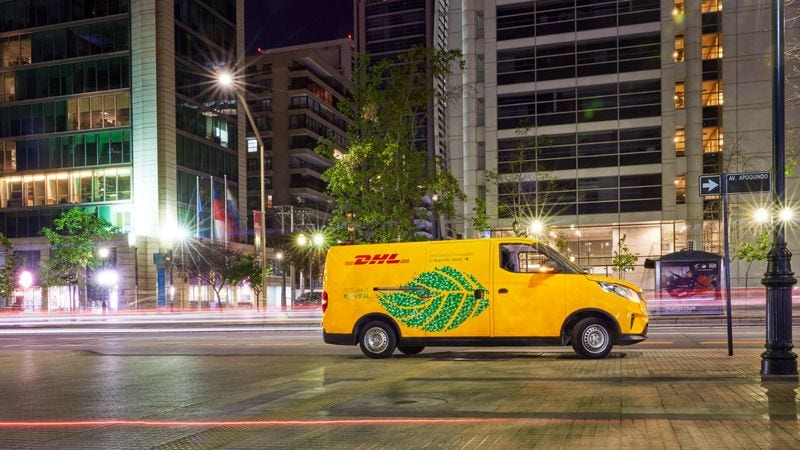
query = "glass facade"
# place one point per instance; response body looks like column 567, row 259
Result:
column 615, row 124
column 207, row 133
column 65, row 111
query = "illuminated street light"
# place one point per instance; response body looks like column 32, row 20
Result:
column 537, row 226
column 786, row 214
column 318, row 239
column 302, row 240
column 225, row 79
column 107, row 277
column 25, row 279
column 103, row 252
column 761, row 215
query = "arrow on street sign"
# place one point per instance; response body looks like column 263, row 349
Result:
column 710, row 185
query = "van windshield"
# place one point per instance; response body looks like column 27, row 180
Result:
column 569, row 266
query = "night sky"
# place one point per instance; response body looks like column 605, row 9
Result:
column 282, row 23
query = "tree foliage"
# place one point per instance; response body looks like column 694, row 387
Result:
column 7, row 269
column 73, row 244
column 212, row 262
column 380, row 182
column 247, row 268
column 624, row 258
column 525, row 188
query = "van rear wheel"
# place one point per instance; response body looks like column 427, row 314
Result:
column 377, row 340
column 591, row 338
column 410, row 349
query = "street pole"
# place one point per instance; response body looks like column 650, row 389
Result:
column 778, row 361
column 262, row 202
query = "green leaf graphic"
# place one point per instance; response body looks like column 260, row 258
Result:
column 444, row 300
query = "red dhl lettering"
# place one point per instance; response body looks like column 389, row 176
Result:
column 380, row 258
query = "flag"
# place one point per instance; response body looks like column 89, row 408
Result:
column 218, row 211
column 199, row 204
column 233, row 214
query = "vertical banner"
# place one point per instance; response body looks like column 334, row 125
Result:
column 161, row 283
column 257, row 234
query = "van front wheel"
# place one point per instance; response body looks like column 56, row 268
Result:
column 377, row 340
column 591, row 338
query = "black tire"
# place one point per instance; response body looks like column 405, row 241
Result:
column 592, row 338
column 410, row 349
column 377, row 339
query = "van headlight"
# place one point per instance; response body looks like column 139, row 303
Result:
column 620, row 290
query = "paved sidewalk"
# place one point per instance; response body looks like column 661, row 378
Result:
column 441, row 398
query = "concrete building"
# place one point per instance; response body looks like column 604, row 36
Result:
column 387, row 29
column 294, row 93
column 114, row 108
column 586, row 122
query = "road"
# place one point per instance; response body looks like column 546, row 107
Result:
column 237, row 388
column 304, row 341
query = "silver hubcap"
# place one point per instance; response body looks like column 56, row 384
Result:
column 595, row 338
column 376, row 340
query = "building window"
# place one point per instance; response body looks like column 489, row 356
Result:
column 678, row 54
column 252, row 145
column 680, row 189
column 66, row 187
column 712, row 92
column 712, row 140
column 708, row 6
column 679, row 8
column 680, row 141
column 679, row 95
column 712, row 46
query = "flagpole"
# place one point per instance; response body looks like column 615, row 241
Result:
column 198, row 202
column 213, row 218
column 225, row 204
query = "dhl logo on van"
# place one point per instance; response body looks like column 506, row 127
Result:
column 380, row 258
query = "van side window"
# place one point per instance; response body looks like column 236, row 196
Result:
column 522, row 258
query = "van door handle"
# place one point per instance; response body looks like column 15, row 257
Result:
column 502, row 291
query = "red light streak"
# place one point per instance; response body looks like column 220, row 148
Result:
column 245, row 423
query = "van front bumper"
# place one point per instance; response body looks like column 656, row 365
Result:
column 338, row 338
column 628, row 339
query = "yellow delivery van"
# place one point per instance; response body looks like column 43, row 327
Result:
column 481, row 292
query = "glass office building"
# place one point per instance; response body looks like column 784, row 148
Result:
column 111, row 106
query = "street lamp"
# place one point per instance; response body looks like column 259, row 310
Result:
column 132, row 244
column 225, row 79
column 25, row 282
column 279, row 256
column 317, row 242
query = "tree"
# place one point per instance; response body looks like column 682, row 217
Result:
column 7, row 269
column 379, row 183
column 212, row 262
column 623, row 259
column 749, row 253
column 73, row 243
column 247, row 268
column 524, row 185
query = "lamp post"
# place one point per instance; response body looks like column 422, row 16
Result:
column 314, row 245
column 778, row 361
column 132, row 244
column 25, row 282
column 226, row 80
column 279, row 256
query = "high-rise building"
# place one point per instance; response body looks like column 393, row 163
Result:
column 596, row 119
column 386, row 29
column 112, row 106
column 294, row 93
